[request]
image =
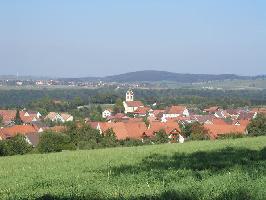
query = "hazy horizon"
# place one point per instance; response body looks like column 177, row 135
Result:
column 99, row 38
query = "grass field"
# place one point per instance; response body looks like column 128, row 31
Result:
column 225, row 169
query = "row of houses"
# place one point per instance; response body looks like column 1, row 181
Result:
column 29, row 117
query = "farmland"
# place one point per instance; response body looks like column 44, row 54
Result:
column 222, row 169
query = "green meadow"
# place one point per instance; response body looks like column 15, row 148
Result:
column 222, row 169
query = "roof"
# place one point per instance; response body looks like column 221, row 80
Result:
column 142, row 110
column 65, row 116
column 259, row 110
column 51, row 115
column 175, row 110
column 33, row 139
column 167, row 126
column 157, row 112
column 123, row 130
column 134, row 103
column 8, row 115
column 212, row 109
column 17, row 129
column 220, row 129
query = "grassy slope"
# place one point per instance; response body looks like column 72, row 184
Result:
column 223, row 169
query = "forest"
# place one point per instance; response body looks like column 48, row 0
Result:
column 163, row 97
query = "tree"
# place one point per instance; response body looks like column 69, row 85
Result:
column 194, row 131
column 118, row 107
column 146, row 121
column 1, row 120
column 109, row 138
column 18, row 120
column 83, row 136
column 54, row 142
column 15, row 145
column 257, row 126
column 161, row 137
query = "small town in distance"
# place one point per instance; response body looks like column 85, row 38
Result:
column 133, row 120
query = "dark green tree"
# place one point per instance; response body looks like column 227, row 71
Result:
column 18, row 120
column 257, row 126
column 109, row 138
column 161, row 137
column 15, row 145
column 194, row 131
column 118, row 107
column 1, row 120
column 54, row 142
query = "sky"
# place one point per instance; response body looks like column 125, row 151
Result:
column 80, row 38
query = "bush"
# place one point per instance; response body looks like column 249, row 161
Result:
column 257, row 126
column 54, row 142
column 161, row 137
column 231, row 136
column 109, row 138
column 195, row 131
column 14, row 146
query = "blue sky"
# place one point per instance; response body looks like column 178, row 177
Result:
column 104, row 37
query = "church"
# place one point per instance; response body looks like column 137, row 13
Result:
column 129, row 104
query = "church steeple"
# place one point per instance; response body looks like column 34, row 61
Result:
column 130, row 95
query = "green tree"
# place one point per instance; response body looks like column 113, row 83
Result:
column 54, row 142
column 118, row 107
column 18, row 120
column 109, row 138
column 15, row 145
column 194, row 131
column 257, row 126
column 1, row 120
column 161, row 137
column 84, row 136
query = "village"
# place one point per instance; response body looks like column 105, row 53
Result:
column 137, row 121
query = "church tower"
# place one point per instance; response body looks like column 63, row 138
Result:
column 129, row 95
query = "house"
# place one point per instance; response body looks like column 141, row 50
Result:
column 175, row 111
column 12, row 131
column 26, row 117
column 212, row 109
column 59, row 117
column 142, row 111
column 217, row 130
column 171, row 128
column 8, row 116
column 129, row 104
column 118, row 117
column 123, row 130
column 32, row 113
column 221, row 114
column 106, row 113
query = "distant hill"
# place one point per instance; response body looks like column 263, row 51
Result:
column 151, row 76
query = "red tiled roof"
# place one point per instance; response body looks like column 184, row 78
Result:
column 176, row 110
column 259, row 110
column 221, row 129
column 17, row 129
column 123, row 130
column 134, row 103
column 212, row 109
column 157, row 126
column 142, row 110
column 8, row 115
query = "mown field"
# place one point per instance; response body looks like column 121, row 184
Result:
column 225, row 169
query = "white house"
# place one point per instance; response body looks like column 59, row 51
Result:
column 176, row 111
column 106, row 113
